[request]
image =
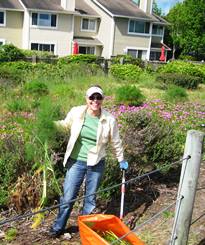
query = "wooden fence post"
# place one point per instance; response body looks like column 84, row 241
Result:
column 187, row 187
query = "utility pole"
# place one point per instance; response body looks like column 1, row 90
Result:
column 187, row 187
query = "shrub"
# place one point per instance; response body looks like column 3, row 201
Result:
column 11, row 76
column 128, row 59
column 129, row 95
column 36, row 87
column 73, row 70
column 12, row 162
column 183, row 80
column 42, row 54
column 149, row 141
column 18, row 65
column 176, row 94
column 15, row 72
column 9, row 52
column 80, row 58
column 17, row 105
column 181, row 67
column 187, row 57
column 43, row 127
column 126, row 72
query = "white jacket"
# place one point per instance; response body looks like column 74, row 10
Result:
column 107, row 131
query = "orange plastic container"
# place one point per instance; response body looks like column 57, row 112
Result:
column 88, row 224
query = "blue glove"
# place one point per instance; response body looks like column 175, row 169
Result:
column 124, row 165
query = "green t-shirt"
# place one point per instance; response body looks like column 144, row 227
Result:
column 87, row 138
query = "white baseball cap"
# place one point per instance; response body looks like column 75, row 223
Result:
column 94, row 90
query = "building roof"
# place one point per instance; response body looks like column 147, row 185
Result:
column 52, row 5
column 127, row 8
column 10, row 4
column 87, row 41
column 81, row 7
column 159, row 19
column 84, row 9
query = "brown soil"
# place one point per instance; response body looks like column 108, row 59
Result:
column 143, row 200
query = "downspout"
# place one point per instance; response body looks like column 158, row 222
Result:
column 26, row 28
column 150, row 42
column 73, row 26
column 112, row 38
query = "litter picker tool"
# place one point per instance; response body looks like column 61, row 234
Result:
column 122, row 195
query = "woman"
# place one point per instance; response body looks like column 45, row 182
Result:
column 91, row 128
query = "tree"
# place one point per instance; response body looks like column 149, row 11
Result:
column 175, row 29
column 187, row 27
column 156, row 10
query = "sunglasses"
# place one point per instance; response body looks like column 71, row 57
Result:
column 96, row 97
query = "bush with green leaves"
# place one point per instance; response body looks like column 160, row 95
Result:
column 17, row 105
column 8, row 52
column 127, row 72
column 150, row 141
column 176, row 94
column 129, row 95
column 183, row 80
column 41, row 54
column 11, row 76
column 73, row 70
column 78, row 58
column 36, row 87
column 127, row 59
column 187, row 57
column 181, row 67
column 201, row 68
column 18, row 65
column 12, row 162
column 15, row 72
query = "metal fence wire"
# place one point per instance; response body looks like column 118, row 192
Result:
column 48, row 209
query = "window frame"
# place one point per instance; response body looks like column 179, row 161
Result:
column 144, row 51
column 158, row 34
column 4, row 18
column 156, row 54
column 86, row 47
column 89, row 19
column 38, row 25
column 44, row 43
column 139, row 33
column 3, row 41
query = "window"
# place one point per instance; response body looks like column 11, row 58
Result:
column 2, row 18
column 86, row 50
column 88, row 24
column 135, row 53
column 44, row 19
column 136, row 2
column 154, row 55
column 135, row 26
column 157, row 30
column 43, row 47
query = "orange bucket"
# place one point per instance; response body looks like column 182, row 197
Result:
column 89, row 224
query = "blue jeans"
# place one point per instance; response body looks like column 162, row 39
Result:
column 77, row 171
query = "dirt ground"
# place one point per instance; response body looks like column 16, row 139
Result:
column 142, row 201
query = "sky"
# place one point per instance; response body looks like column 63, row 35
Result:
column 165, row 5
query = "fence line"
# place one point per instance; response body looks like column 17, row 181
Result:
column 179, row 199
column 26, row 215
column 147, row 221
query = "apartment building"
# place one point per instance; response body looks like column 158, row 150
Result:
column 102, row 27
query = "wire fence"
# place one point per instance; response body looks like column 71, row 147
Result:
column 48, row 209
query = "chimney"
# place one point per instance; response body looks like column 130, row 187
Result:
column 68, row 5
column 146, row 6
